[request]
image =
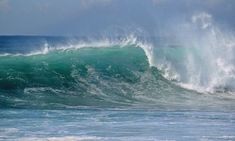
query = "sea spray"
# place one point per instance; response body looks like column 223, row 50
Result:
column 203, row 58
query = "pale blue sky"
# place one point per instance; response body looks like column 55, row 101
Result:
column 85, row 17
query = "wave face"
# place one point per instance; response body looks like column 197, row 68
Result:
column 85, row 76
column 80, row 77
column 117, row 75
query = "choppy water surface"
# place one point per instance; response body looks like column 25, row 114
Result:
column 116, row 124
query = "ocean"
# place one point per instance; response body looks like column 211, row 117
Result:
column 122, row 88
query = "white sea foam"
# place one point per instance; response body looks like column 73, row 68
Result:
column 64, row 138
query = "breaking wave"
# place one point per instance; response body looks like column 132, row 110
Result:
column 197, row 70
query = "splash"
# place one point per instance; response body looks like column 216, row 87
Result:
column 206, row 61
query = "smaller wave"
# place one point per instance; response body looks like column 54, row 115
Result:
column 45, row 50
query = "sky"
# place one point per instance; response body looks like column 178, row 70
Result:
column 94, row 17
